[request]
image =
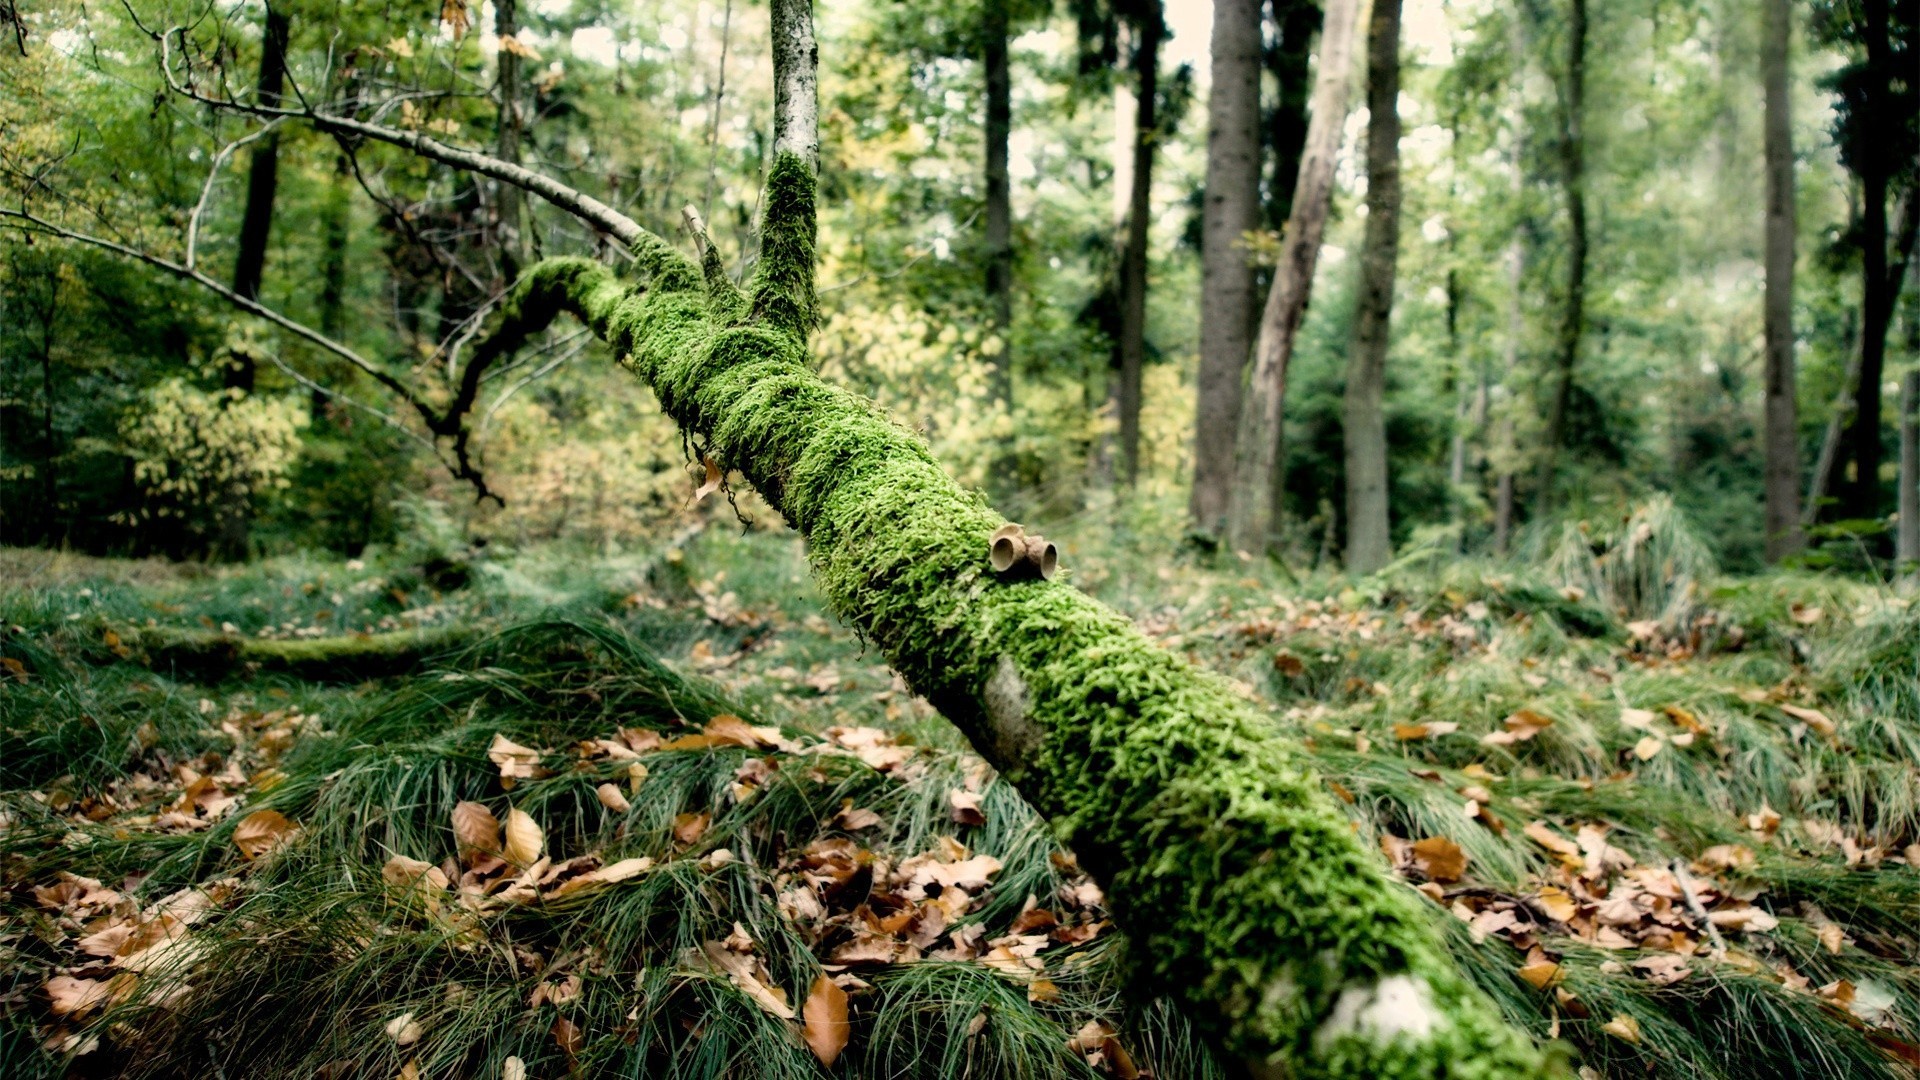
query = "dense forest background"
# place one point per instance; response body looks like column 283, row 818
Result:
column 140, row 413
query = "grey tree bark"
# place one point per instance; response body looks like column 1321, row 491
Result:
column 514, row 236
column 1573, row 316
column 1369, row 542
column 1132, row 350
column 1255, row 503
column 263, row 177
column 1784, row 533
column 994, row 33
column 1231, row 209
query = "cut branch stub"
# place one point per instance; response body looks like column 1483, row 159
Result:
column 1015, row 555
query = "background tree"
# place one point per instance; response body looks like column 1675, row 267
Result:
column 1784, row 535
column 1369, row 540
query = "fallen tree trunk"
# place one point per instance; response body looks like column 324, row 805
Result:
column 342, row 658
column 1243, row 890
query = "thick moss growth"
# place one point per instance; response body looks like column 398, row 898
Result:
column 1242, row 889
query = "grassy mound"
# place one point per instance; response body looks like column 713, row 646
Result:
column 1666, row 818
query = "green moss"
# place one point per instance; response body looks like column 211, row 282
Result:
column 1243, row 890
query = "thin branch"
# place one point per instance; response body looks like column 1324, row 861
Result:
column 206, row 189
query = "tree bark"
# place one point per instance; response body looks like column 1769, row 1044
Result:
column 1504, row 449
column 1907, row 543
column 263, row 177
column 1784, row 533
column 1860, row 497
column 1132, row 350
column 1369, row 541
column 510, row 201
column 994, row 32
column 1573, row 318
column 1830, row 466
column 1289, row 61
column 1231, row 210
column 1255, row 504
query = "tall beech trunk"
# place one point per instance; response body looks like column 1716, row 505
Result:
column 1504, row 449
column 1369, row 542
column 1231, row 210
column 1830, row 466
column 510, row 202
column 263, row 177
column 1246, row 895
column 1289, row 60
column 1860, row 497
column 1784, row 533
column 1573, row 314
column 994, row 32
column 1907, row 540
column 1131, row 351
column 1255, row 505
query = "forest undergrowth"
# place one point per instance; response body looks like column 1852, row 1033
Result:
column 656, row 815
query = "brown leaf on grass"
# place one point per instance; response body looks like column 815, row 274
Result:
column 688, row 828
column 1623, row 1026
column 715, row 477
column 1804, row 614
column 515, row 762
column 855, row 820
column 1649, row 747
column 825, row 1017
column 525, row 839
column 1664, row 970
column 412, row 877
column 1541, row 974
column 613, row 798
column 75, row 997
column 1520, row 727
column 567, row 1036
column 1833, row 937
column 964, row 807
column 748, row 974
column 1640, row 719
column 475, row 829
column 1685, row 720
column 1097, row 1043
column 1433, row 729
column 1440, row 859
column 1813, row 718
column 1554, row 902
column 404, row 1030
column 261, row 832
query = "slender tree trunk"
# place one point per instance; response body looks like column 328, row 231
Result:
column 1830, row 467
column 515, row 249
column 994, row 33
column 233, row 523
column 1861, row 495
column 50, row 455
column 1289, row 61
column 1573, row 321
column 1133, row 260
column 1907, row 546
column 333, row 268
column 1784, row 535
column 1231, row 210
column 713, row 121
column 1369, row 540
column 1254, row 508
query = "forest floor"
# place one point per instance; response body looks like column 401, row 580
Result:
column 660, row 815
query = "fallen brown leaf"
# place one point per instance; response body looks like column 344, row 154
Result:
column 525, row 839
column 475, row 829
column 261, row 832
column 1440, row 859
column 825, row 1018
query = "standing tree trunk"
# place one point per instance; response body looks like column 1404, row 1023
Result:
column 1231, row 210
column 1255, row 505
column 511, row 202
column 1860, row 497
column 1369, row 542
column 994, row 32
column 1573, row 318
column 1907, row 546
column 1132, row 351
column 263, row 177
column 233, row 522
column 1784, row 534
column 1290, row 61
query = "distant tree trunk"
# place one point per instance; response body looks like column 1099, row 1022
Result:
column 233, row 526
column 1907, row 548
column 1830, row 467
column 1784, row 535
column 1255, row 505
column 1860, row 497
column 333, row 267
column 1132, row 351
column 1369, row 542
column 1573, row 320
column 515, row 248
column 263, row 177
column 1289, row 61
column 1232, row 209
column 994, row 33
column 49, row 452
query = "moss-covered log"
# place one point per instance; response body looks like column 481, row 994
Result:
column 345, row 658
column 1243, row 890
